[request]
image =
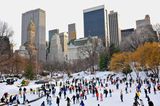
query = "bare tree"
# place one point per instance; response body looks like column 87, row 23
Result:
column 17, row 63
column 5, row 47
column 90, row 54
column 78, row 65
column 54, row 67
column 5, row 30
column 132, row 42
column 157, row 29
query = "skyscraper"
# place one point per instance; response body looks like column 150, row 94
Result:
column 115, row 35
column 52, row 33
column 64, row 42
column 55, row 54
column 96, row 23
column 72, row 32
column 39, row 19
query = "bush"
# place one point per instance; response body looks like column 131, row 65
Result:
column 24, row 82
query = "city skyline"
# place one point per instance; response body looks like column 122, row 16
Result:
column 60, row 13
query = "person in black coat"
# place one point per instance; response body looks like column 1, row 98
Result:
column 121, row 96
column 68, row 101
column 74, row 99
column 11, row 99
column 77, row 98
column 58, row 101
column 150, row 103
column 43, row 104
column 145, row 91
column 2, row 100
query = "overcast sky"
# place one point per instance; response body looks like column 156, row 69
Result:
column 60, row 13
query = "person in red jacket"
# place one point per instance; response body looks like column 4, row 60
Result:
column 97, row 95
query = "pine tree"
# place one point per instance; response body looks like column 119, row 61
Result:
column 103, row 61
column 29, row 73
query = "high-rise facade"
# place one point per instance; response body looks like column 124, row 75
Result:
column 55, row 54
column 126, row 32
column 143, row 22
column 145, row 28
column 96, row 23
column 72, row 32
column 52, row 33
column 64, row 42
column 38, row 17
column 114, row 32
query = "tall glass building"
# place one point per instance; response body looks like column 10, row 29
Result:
column 114, row 31
column 38, row 16
column 96, row 23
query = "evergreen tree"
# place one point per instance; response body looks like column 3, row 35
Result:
column 103, row 61
column 29, row 73
column 113, row 49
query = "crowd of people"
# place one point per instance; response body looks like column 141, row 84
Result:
column 79, row 89
column 100, row 88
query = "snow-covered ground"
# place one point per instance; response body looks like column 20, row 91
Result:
column 91, row 101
